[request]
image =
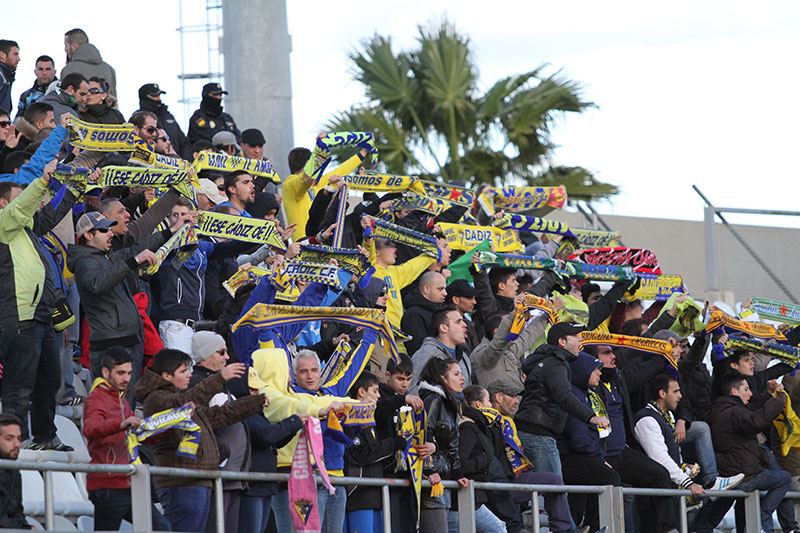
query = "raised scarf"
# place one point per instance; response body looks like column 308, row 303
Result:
column 238, row 228
column 426, row 244
column 722, row 321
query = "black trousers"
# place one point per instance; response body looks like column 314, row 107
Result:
column 582, row 470
column 637, row 469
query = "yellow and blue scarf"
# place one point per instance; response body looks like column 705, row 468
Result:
column 516, row 458
column 179, row 418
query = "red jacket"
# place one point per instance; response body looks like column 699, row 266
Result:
column 103, row 412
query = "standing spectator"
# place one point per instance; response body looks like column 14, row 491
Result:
column 100, row 107
column 84, row 58
column 38, row 115
column 9, row 59
column 253, row 148
column 28, row 345
column 547, row 400
column 447, row 333
column 45, row 75
column 150, row 100
column 440, row 382
column 12, row 516
column 461, row 295
column 225, row 142
column 420, row 308
column 9, row 139
column 105, row 420
column 240, row 190
column 209, row 118
column 73, row 92
column 145, row 126
column 165, row 385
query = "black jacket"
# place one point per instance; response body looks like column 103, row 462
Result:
column 547, row 399
column 106, row 296
column 386, row 425
column 265, row 439
column 166, row 120
column 735, row 429
column 443, row 428
column 209, row 120
column 417, row 319
column 696, row 379
column 102, row 114
column 475, row 449
column 12, row 515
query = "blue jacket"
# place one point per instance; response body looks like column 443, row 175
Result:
column 579, row 436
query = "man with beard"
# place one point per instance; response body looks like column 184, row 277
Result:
column 11, row 514
column 210, row 118
column 150, row 100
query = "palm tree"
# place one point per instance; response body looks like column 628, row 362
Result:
column 430, row 118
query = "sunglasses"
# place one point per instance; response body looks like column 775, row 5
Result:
column 382, row 293
column 151, row 130
column 101, row 230
column 95, row 90
column 221, row 188
column 5, row 123
column 164, row 139
column 222, row 351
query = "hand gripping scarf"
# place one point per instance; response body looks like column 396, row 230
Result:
column 783, row 352
column 302, row 486
column 521, row 313
column 348, row 259
column 461, row 237
column 687, row 319
column 451, row 194
column 231, row 163
column 101, row 137
column 242, row 276
column 493, row 199
column 720, row 320
column 513, row 447
column 426, row 244
column 265, row 316
column 321, row 155
column 311, row 273
column 639, row 259
column 642, row 344
column 179, row 418
column 533, row 224
column 775, row 310
column 240, row 229
column 354, row 415
column 184, row 241
column 411, row 426
column 375, row 182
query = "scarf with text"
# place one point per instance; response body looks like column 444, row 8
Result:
column 302, row 486
column 572, row 269
column 354, row 415
column 639, row 259
column 426, row 244
column 102, row 137
column 461, row 237
column 641, row 344
column 776, row 310
column 658, row 287
column 522, row 310
column 321, row 154
column 375, row 182
column 337, row 366
column 156, row 178
column 493, row 199
column 184, row 241
column 242, row 276
column 143, row 155
column 411, row 426
column 238, row 228
column 349, row 259
column 722, row 321
column 179, row 418
column 415, row 202
column 533, row 224
column 594, row 238
column 451, row 194
column 783, row 352
column 513, row 447
column 231, row 163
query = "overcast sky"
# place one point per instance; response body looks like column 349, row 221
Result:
column 686, row 92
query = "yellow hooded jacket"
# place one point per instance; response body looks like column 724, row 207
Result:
column 272, row 367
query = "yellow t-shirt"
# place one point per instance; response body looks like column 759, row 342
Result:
column 299, row 192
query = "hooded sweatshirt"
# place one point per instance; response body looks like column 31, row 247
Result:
column 272, row 366
column 579, row 436
column 87, row 61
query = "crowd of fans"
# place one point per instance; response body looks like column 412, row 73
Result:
column 597, row 415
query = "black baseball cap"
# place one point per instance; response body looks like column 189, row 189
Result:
column 213, row 88
column 559, row 330
column 461, row 288
column 253, row 137
column 150, row 89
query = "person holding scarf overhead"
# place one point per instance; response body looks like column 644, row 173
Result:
column 441, row 385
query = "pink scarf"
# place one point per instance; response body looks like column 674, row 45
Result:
column 302, row 487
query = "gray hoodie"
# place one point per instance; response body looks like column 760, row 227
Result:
column 87, row 61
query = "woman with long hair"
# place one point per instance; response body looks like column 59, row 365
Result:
column 440, row 387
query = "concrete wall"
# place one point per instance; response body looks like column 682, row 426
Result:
column 256, row 48
column 680, row 248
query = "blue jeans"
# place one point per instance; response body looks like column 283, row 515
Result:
column 699, row 435
column 254, row 514
column 542, row 452
column 485, row 521
column 786, row 516
column 364, row 521
column 186, row 508
column 31, row 375
column 776, row 483
column 111, row 506
column 331, row 510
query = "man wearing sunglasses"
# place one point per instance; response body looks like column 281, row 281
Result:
column 145, row 126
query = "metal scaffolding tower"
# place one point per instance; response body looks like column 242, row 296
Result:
column 200, row 32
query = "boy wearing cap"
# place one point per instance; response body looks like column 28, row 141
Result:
column 102, row 277
column 547, row 400
column 210, row 118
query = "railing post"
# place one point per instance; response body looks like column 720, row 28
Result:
column 537, row 524
column 386, row 505
column 218, row 502
column 49, row 502
column 612, row 514
column 752, row 512
column 683, row 525
column 141, row 499
column 466, row 508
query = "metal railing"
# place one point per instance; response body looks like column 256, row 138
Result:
column 611, row 506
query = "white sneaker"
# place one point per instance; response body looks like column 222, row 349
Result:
column 725, row 483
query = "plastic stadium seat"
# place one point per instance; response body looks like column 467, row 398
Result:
column 35, row 523
column 69, row 434
column 85, row 523
column 64, row 524
column 32, row 492
column 69, row 499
